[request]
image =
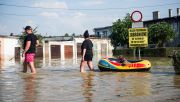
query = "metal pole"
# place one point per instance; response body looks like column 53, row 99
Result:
column 134, row 53
column 139, row 53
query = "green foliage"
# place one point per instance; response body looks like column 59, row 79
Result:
column 160, row 33
column 126, row 52
column 73, row 34
column 147, row 52
column 23, row 36
column 66, row 35
column 21, row 39
column 119, row 34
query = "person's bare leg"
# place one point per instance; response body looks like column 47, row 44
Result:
column 25, row 65
column 82, row 66
column 33, row 70
column 90, row 65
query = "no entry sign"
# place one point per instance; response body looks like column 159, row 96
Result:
column 138, row 17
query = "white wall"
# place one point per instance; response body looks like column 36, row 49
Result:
column 8, row 48
column 97, row 45
column 62, row 44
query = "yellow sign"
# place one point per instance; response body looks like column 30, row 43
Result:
column 138, row 37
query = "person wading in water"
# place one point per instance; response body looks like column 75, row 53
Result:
column 30, row 43
column 87, row 53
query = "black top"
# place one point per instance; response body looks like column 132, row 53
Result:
column 32, row 38
column 88, row 45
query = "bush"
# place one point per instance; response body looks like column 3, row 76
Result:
column 147, row 52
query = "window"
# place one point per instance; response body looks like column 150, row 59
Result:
column 98, row 34
column 105, row 33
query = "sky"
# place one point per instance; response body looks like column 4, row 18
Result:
column 57, row 17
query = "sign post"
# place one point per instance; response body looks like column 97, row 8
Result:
column 138, row 35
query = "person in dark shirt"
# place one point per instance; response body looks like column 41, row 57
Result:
column 87, row 53
column 30, row 43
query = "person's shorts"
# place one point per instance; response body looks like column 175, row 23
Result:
column 88, row 57
column 29, row 57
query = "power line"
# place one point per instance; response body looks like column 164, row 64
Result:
column 12, row 14
column 1, row 4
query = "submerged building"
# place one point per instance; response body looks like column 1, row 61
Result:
column 71, row 48
column 9, row 49
column 174, row 21
column 59, row 47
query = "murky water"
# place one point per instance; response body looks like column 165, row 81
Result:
column 61, row 81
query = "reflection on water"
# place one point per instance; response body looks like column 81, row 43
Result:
column 177, row 81
column 61, row 81
column 29, row 88
column 87, row 85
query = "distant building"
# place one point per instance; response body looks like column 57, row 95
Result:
column 52, row 47
column 9, row 48
column 56, row 47
column 59, row 38
column 174, row 21
column 103, row 32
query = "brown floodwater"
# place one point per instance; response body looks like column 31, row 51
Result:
column 61, row 81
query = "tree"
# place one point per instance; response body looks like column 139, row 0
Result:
column 66, row 35
column 11, row 34
column 119, row 34
column 73, row 34
column 23, row 36
column 160, row 33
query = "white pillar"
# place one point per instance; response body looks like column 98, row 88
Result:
column 107, row 47
column 44, row 53
column 74, row 51
column 62, row 52
column 49, row 48
column 99, row 50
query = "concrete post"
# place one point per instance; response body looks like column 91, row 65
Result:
column 49, row 48
column 44, row 55
column 98, row 50
column 74, row 51
column 62, row 52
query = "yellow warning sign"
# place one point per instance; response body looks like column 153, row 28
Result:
column 138, row 37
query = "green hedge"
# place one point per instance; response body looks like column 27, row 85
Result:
column 147, row 52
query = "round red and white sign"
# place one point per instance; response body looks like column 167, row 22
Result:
column 136, row 16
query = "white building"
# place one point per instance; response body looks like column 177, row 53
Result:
column 72, row 49
column 60, row 47
column 9, row 49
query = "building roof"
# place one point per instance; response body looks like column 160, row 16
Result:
column 163, row 19
column 59, row 38
column 99, row 28
column 7, row 36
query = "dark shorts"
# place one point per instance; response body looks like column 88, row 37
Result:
column 88, row 57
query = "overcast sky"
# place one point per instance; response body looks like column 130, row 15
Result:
column 57, row 17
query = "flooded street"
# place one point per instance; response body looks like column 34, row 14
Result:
column 61, row 81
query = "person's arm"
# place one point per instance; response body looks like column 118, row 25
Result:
column 84, row 48
column 37, row 42
column 84, row 52
column 28, row 43
column 92, row 52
